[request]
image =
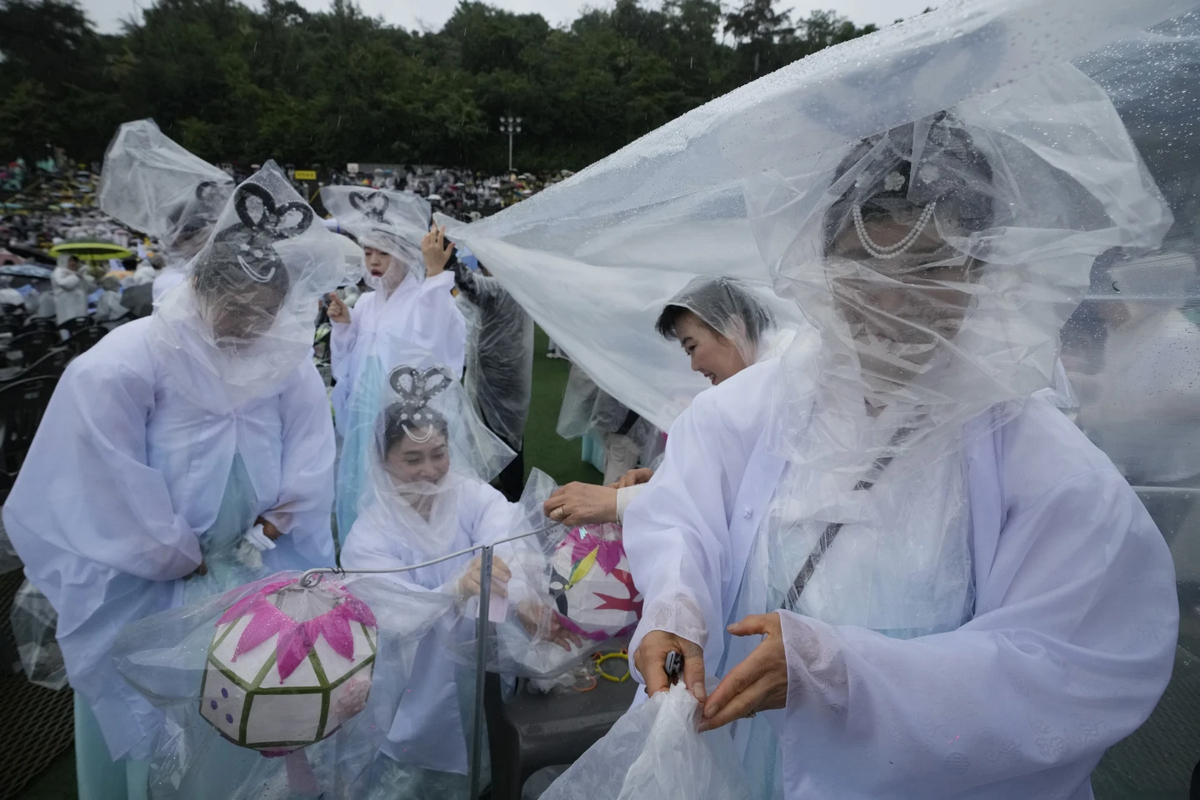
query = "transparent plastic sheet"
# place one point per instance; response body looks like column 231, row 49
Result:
column 34, row 627
column 9, row 560
column 348, row 646
column 939, row 260
column 633, row 229
column 412, row 520
column 155, row 186
column 569, row 593
column 394, row 222
column 586, row 408
column 654, row 752
column 424, row 441
column 244, row 316
column 499, row 363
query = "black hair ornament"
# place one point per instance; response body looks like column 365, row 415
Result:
column 416, row 388
column 255, row 237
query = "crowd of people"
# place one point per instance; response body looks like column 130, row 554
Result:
column 869, row 557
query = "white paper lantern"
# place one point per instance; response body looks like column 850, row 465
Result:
column 289, row 665
column 591, row 585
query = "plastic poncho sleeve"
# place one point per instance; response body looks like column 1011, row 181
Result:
column 305, row 501
column 676, row 532
column 342, row 338
column 65, row 279
column 440, row 327
column 1071, row 646
column 91, row 446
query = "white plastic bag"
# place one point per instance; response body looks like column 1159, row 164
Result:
column 655, row 753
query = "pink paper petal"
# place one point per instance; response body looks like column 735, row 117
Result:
column 239, row 608
column 335, row 628
column 293, row 647
column 266, row 622
column 609, row 556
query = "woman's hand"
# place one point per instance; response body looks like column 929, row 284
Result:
column 635, row 477
column 542, row 623
column 651, row 661
column 435, row 252
column 269, row 529
column 338, row 311
column 582, row 504
column 468, row 584
column 759, row 683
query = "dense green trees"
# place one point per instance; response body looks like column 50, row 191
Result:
column 239, row 84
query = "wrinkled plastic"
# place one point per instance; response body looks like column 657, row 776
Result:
column 394, row 222
column 170, row 657
column 939, row 260
column 570, row 592
column 499, row 364
column 654, row 752
column 152, row 184
column 34, row 628
column 631, row 230
column 588, row 409
column 245, row 314
column 426, row 441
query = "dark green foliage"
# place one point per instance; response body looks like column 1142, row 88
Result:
column 234, row 83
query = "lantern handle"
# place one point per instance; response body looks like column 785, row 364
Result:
column 312, row 577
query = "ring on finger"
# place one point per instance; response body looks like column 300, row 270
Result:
column 751, row 714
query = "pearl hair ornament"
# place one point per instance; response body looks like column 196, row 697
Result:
column 900, row 247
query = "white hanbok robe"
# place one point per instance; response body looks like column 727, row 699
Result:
column 1069, row 646
column 429, row 728
column 418, row 315
column 70, row 291
column 125, row 475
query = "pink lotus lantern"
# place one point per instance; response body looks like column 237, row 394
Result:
column 289, row 665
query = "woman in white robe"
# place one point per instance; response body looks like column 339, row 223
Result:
column 70, row 288
column 197, row 452
column 722, row 328
column 959, row 594
column 411, row 308
column 428, row 498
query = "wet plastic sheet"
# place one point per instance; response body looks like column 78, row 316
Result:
column 595, row 258
column 34, row 627
column 168, row 658
column 655, row 753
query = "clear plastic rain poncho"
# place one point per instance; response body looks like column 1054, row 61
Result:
column 244, row 320
column 393, row 222
column 730, row 309
column 152, row 184
column 589, row 410
column 575, row 588
column 498, row 372
column 429, row 448
column 938, row 261
column 34, row 624
column 427, row 497
column 276, row 690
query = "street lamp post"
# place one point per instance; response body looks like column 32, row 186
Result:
column 511, row 126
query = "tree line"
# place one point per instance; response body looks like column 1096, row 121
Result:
column 240, row 84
